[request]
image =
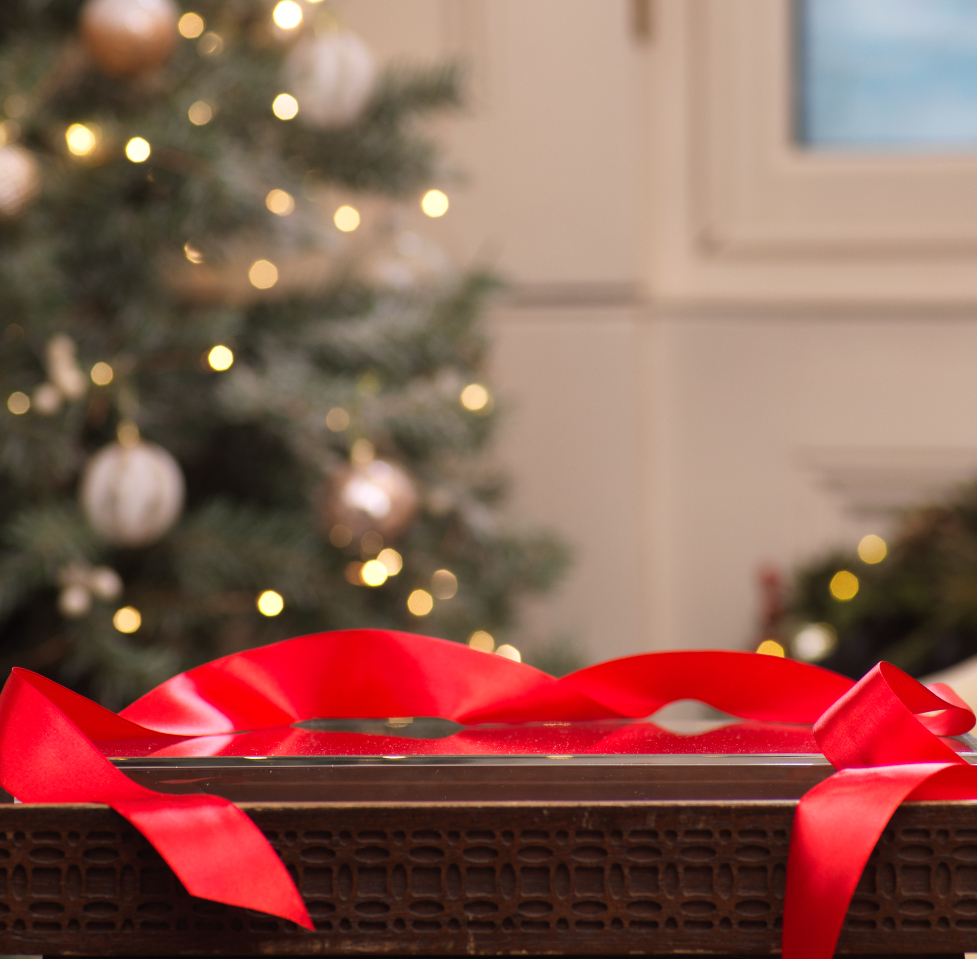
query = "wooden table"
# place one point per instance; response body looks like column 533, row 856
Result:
column 603, row 856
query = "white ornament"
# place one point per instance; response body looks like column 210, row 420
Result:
column 132, row 494
column 332, row 77
column 20, row 179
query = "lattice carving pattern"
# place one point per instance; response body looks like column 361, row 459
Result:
column 647, row 878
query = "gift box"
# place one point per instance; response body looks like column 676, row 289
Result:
column 374, row 791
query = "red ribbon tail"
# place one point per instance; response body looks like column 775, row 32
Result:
column 836, row 827
column 228, row 854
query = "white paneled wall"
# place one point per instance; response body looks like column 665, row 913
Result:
column 676, row 444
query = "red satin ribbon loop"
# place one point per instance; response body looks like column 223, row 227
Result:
column 880, row 734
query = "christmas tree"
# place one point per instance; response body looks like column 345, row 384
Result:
column 911, row 601
column 242, row 401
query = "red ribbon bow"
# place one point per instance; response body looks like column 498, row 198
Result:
column 880, row 733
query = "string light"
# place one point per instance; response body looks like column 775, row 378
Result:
column 474, row 397
column 138, row 150
column 210, row 45
column 287, row 15
column 770, row 647
column 127, row 620
column 81, row 139
column 434, row 203
column 192, row 253
column 270, row 603
column 191, row 25
column 18, row 403
column 843, row 585
column 200, row 113
column 420, row 602
column 373, row 573
column 102, row 374
column 263, row 274
column 346, row 218
column 220, row 358
column 337, row 419
column 482, row 641
column 285, row 106
column 509, row 652
column 280, row 202
column 392, row 561
column 444, row 584
column 872, row 549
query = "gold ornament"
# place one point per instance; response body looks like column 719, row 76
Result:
column 378, row 496
column 132, row 494
column 126, row 38
column 332, row 78
column 20, row 179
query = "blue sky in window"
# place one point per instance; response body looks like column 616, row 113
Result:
column 887, row 74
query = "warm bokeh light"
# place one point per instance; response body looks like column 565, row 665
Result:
column 287, row 15
column 285, row 106
column 263, row 274
column 127, row 433
column 337, row 419
column 872, row 549
column 191, row 25
column 420, row 602
column 81, row 139
column 192, row 253
column 843, row 585
column 371, row 542
column 280, row 202
column 362, row 452
column 210, row 45
column 200, row 113
column 102, row 374
column 770, row 647
column 346, row 218
column 482, row 641
column 18, row 403
column 352, row 573
column 340, row 535
column 509, row 652
column 138, row 150
column 270, row 603
column 127, row 620
column 220, row 358
column 374, row 573
column 474, row 397
column 434, row 203
column 392, row 561
column 814, row 642
column 444, row 584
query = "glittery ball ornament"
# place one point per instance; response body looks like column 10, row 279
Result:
column 20, row 179
column 126, row 38
column 379, row 496
column 132, row 494
column 332, row 77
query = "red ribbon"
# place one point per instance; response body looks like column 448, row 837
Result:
column 881, row 734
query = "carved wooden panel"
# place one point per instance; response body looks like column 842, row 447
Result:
column 603, row 879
